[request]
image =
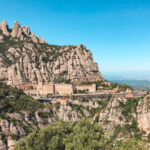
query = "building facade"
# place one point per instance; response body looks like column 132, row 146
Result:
column 48, row 88
column 63, row 89
column 90, row 87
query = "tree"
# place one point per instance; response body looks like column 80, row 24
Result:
column 86, row 136
column 65, row 136
column 48, row 138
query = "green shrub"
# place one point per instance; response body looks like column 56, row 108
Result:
column 15, row 137
column 44, row 114
column 84, row 100
column 57, row 105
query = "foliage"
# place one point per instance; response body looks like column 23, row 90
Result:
column 75, row 91
column 102, row 105
column 57, row 105
column 82, row 135
column 15, row 137
column 64, row 135
column 98, row 83
column 14, row 100
column 148, row 137
column 62, row 80
column 75, row 106
column 121, row 86
column 85, row 136
column 44, row 114
column 129, row 107
column 131, row 144
column 128, row 130
column 84, row 100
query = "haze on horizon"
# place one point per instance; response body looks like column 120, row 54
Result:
column 117, row 32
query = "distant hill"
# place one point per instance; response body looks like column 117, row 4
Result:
column 127, row 75
column 135, row 84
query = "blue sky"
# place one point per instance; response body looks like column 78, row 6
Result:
column 116, row 31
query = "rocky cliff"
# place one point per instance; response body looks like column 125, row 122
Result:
column 119, row 117
column 25, row 58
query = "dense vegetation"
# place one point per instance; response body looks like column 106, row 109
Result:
column 14, row 100
column 82, row 135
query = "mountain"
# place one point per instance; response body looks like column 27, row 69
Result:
column 137, row 80
column 26, row 58
column 60, row 123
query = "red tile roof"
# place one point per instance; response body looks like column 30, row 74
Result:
column 64, row 99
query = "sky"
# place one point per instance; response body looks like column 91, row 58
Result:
column 117, row 32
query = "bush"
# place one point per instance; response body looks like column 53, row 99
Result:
column 15, row 137
column 57, row 105
column 44, row 114
column 84, row 100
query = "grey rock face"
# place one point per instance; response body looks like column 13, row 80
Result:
column 27, row 59
column 22, row 33
column 112, row 114
column 1, row 38
column 2, row 145
column 11, row 143
column 5, row 125
column 16, row 30
column 4, row 28
column 143, row 111
column 76, row 65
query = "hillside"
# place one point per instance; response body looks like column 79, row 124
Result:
column 25, row 58
column 120, row 119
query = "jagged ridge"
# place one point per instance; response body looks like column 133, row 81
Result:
column 22, row 33
column 25, row 58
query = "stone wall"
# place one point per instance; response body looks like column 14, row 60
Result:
column 31, row 92
column 90, row 87
column 48, row 88
column 63, row 89
column 45, row 89
column 24, row 86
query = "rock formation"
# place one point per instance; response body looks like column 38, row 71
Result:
column 25, row 58
column 4, row 28
column 143, row 111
